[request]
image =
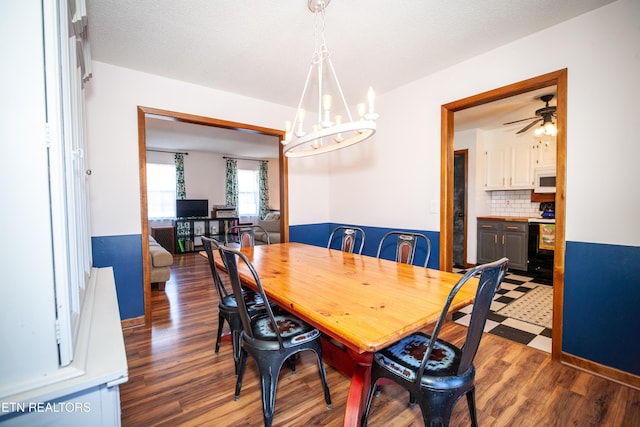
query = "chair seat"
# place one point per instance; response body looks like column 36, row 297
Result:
column 404, row 357
column 253, row 301
column 293, row 330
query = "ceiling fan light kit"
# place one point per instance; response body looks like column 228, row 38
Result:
column 330, row 133
column 544, row 115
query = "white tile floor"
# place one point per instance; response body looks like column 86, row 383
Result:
column 513, row 287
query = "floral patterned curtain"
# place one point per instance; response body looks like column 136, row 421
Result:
column 181, row 191
column 231, row 186
column 263, row 186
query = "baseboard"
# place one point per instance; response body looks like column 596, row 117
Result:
column 615, row 375
column 133, row 322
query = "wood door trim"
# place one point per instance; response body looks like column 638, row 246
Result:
column 142, row 112
column 559, row 79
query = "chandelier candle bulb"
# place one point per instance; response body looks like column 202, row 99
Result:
column 371, row 115
column 300, row 131
column 287, row 132
column 326, row 103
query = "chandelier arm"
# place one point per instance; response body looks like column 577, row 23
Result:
column 304, row 90
column 320, row 67
column 335, row 77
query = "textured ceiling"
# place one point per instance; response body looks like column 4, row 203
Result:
column 262, row 48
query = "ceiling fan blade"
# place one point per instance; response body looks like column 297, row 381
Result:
column 529, row 126
column 521, row 120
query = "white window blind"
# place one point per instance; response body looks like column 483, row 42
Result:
column 161, row 190
column 248, row 192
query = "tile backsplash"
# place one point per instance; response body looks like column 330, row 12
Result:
column 514, row 203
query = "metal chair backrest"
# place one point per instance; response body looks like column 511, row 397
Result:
column 349, row 238
column 246, row 234
column 210, row 247
column 491, row 275
column 406, row 245
column 230, row 259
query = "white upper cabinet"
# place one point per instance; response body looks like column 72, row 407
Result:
column 544, row 153
column 508, row 166
column 521, row 171
column 495, row 167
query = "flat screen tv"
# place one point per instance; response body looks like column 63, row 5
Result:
column 192, row 208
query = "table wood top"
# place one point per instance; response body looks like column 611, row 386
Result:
column 364, row 302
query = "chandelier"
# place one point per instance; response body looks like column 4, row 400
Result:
column 335, row 127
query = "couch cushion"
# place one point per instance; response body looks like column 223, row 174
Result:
column 270, row 225
column 272, row 216
column 160, row 274
column 274, row 237
column 160, row 257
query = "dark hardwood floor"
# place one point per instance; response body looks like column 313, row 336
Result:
column 175, row 378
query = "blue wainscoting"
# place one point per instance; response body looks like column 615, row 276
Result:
column 318, row 235
column 124, row 254
column 601, row 300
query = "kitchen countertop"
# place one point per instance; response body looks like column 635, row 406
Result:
column 517, row 219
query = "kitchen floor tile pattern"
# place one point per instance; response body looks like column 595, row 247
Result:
column 513, row 287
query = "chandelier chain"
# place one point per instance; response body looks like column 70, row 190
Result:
column 321, row 50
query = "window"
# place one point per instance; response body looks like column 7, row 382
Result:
column 248, row 192
column 161, row 190
column 68, row 178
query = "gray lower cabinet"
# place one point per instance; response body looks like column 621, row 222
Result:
column 497, row 238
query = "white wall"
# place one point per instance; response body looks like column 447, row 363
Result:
column 112, row 98
column 393, row 180
column 204, row 177
column 399, row 170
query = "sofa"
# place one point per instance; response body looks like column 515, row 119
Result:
column 160, row 263
column 271, row 223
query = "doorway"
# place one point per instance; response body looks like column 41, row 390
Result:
column 559, row 79
column 143, row 112
column 460, row 168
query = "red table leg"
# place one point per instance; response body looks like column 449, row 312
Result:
column 358, row 389
column 354, row 365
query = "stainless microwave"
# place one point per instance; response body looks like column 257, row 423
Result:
column 544, row 180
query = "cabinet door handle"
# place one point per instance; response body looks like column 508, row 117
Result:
column 503, row 239
column 487, row 226
column 495, row 239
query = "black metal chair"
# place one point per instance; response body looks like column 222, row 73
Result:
column 435, row 372
column 406, row 245
column 348, row 239
column 246, row 234
column 227, row 305
column 269, row 338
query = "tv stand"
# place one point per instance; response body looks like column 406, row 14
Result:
column 189, row 232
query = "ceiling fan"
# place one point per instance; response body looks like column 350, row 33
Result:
column 544, row 115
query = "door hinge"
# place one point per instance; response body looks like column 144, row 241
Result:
column 58, row 334
column 47, row 135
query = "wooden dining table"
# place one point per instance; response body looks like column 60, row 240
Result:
column 361, row 304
